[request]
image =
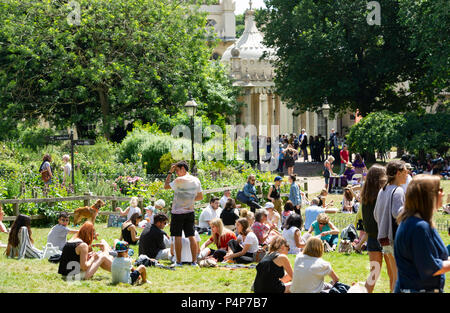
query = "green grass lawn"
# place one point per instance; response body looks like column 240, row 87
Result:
column 41, row 276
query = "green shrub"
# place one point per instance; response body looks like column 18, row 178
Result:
column 35, row 138
column 165, row 162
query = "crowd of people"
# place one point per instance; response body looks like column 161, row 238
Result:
column 395, row 219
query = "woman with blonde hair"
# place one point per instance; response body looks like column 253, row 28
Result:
column 131, row 209
column 328, row 169
column 310, row 269
column 67, row 168
column 388, row 206
column 78, row 261
column 420, row 254
column 220, row 237
column 325, row 229
column 274, row 270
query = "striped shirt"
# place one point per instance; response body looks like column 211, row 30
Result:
column 25, row 247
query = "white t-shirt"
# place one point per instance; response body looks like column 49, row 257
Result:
column 121, row 270
column 207, row 215
column 223, row 201
column 289, row 235
column 251, row 240
column 58, row 236
column 132, row 211
column 185, row 189
column 408, row 180
column 67, row 169
column 309, row 273
column 186, row 255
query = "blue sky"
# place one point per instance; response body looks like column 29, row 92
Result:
column 242, row 5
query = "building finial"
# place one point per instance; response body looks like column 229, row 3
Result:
column 250, row 3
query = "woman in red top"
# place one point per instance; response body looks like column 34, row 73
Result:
column 220, row 237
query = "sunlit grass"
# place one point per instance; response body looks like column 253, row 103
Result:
column 41, row 275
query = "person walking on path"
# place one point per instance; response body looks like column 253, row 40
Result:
column 303, row 138
column 186, row 190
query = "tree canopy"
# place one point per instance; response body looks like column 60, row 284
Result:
column 124, row 60
column 327, row 49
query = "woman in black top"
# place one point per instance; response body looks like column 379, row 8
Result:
column 270, row 277
column 78, row 261
column 228, row 215
column 274, row 194
column 289, row 158
column 129, row 233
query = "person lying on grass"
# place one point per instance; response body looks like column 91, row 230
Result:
column 58, row 234
column 20, row 243
column 78, row 261
column 122, row 270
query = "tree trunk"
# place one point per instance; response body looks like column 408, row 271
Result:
column 105, row 113
column 369, row 157
column 400, row 152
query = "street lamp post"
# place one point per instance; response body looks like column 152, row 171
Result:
column 191, row 109
column 326, row 113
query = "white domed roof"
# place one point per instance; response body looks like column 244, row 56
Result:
column 250, row 45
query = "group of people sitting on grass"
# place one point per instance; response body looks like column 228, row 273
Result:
column 397, row 226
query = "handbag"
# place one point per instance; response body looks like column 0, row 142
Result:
column 45, row 175
column 385, row 241
column 241, row 197
column 259, row 255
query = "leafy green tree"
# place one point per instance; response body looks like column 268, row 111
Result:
column 377, row 132
column 125, row 60
column 428, row 22
column 328, row 49
column 417, row 133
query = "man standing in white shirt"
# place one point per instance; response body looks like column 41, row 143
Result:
column 212, row 211
column 223, row 200
column 186, row 190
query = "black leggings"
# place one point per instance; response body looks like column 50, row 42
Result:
column 253, row 205
column 218, row 254
column 236, row 247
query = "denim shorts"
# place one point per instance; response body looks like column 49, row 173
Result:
column 373, row 245
column 388, row 249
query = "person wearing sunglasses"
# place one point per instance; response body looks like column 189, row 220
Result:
column 274, row 271
column 58, row 234
column 250, row 192
column 325, row 229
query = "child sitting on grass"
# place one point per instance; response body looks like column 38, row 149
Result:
column 122, row 270
column 58, row 234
